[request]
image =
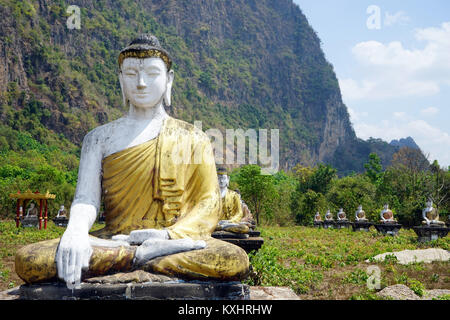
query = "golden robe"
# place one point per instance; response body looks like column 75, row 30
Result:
column 231, row 207
column 168, row 182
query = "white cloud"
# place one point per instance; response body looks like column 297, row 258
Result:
column 356, row 115
column 431, row 111
column 400, row 18
column 430, row 139
column 399, row 115
column 392, row 71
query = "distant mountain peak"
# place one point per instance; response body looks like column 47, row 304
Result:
column 405, row 142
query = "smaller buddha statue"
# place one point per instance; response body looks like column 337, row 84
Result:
column 341, row 215
column 318, row 223
column 62, row 213
column 388, row 225
column 317, row 217
column 231, row 209
column 329, row 216
column 361, row 222
column 431, row 215
column 32, row 210
column 387, row 216
column 61, row 219
column 431, row 228
column 360, row 214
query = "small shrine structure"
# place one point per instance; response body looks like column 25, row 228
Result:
column 24, row 198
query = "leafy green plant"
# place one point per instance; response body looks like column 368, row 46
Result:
column 416, row 286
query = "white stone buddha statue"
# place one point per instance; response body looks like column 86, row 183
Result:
column 387, row 216
column 341, row 215
column 157, row 178
column 431, row 215
column 360, row 214
column 317, row 217
column 62, row 213
column 32, row 210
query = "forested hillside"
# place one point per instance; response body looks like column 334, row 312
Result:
column 238, row 64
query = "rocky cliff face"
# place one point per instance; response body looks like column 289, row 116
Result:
column 239, row 64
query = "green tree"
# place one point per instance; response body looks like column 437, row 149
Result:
column 257, row 190
column 305, row 205
column 374, row 169
column 350, row 192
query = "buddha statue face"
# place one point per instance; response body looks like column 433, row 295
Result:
column 146, row 82
column 429, row 204
column 224, row 181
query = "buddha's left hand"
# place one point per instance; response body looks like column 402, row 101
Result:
column 154, row 247
column 138, row 237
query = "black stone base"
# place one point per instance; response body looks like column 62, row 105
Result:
column 343, row 224
column 388, row 228
column 226, row 234
column 138, row 291
column 318, row 224
column 429, row 233
column 30, row 222
column 249, row 245
column 254, row 233
column 329, row 224
column 361, row 226
column 61, row 221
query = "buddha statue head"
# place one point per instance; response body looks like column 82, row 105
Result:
column 328, row 215
column 223, row 178
column 145, row 73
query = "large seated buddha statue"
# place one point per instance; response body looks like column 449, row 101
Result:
column 157, row 178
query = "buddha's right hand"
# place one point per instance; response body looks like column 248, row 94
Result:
column 73, row 255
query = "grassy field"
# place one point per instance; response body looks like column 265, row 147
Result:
column 315, row 263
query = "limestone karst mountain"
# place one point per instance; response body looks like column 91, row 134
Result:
column 238, row 63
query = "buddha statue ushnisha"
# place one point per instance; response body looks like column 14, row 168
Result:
column 360, row 214
column 387, row 216
column 431, row 215
column 157, row 178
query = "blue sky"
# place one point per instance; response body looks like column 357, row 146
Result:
column 392, row 60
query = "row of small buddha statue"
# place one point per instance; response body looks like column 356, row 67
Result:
column 33, row 211
column 429, row 214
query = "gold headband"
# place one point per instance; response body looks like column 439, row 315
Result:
column 141, row 54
